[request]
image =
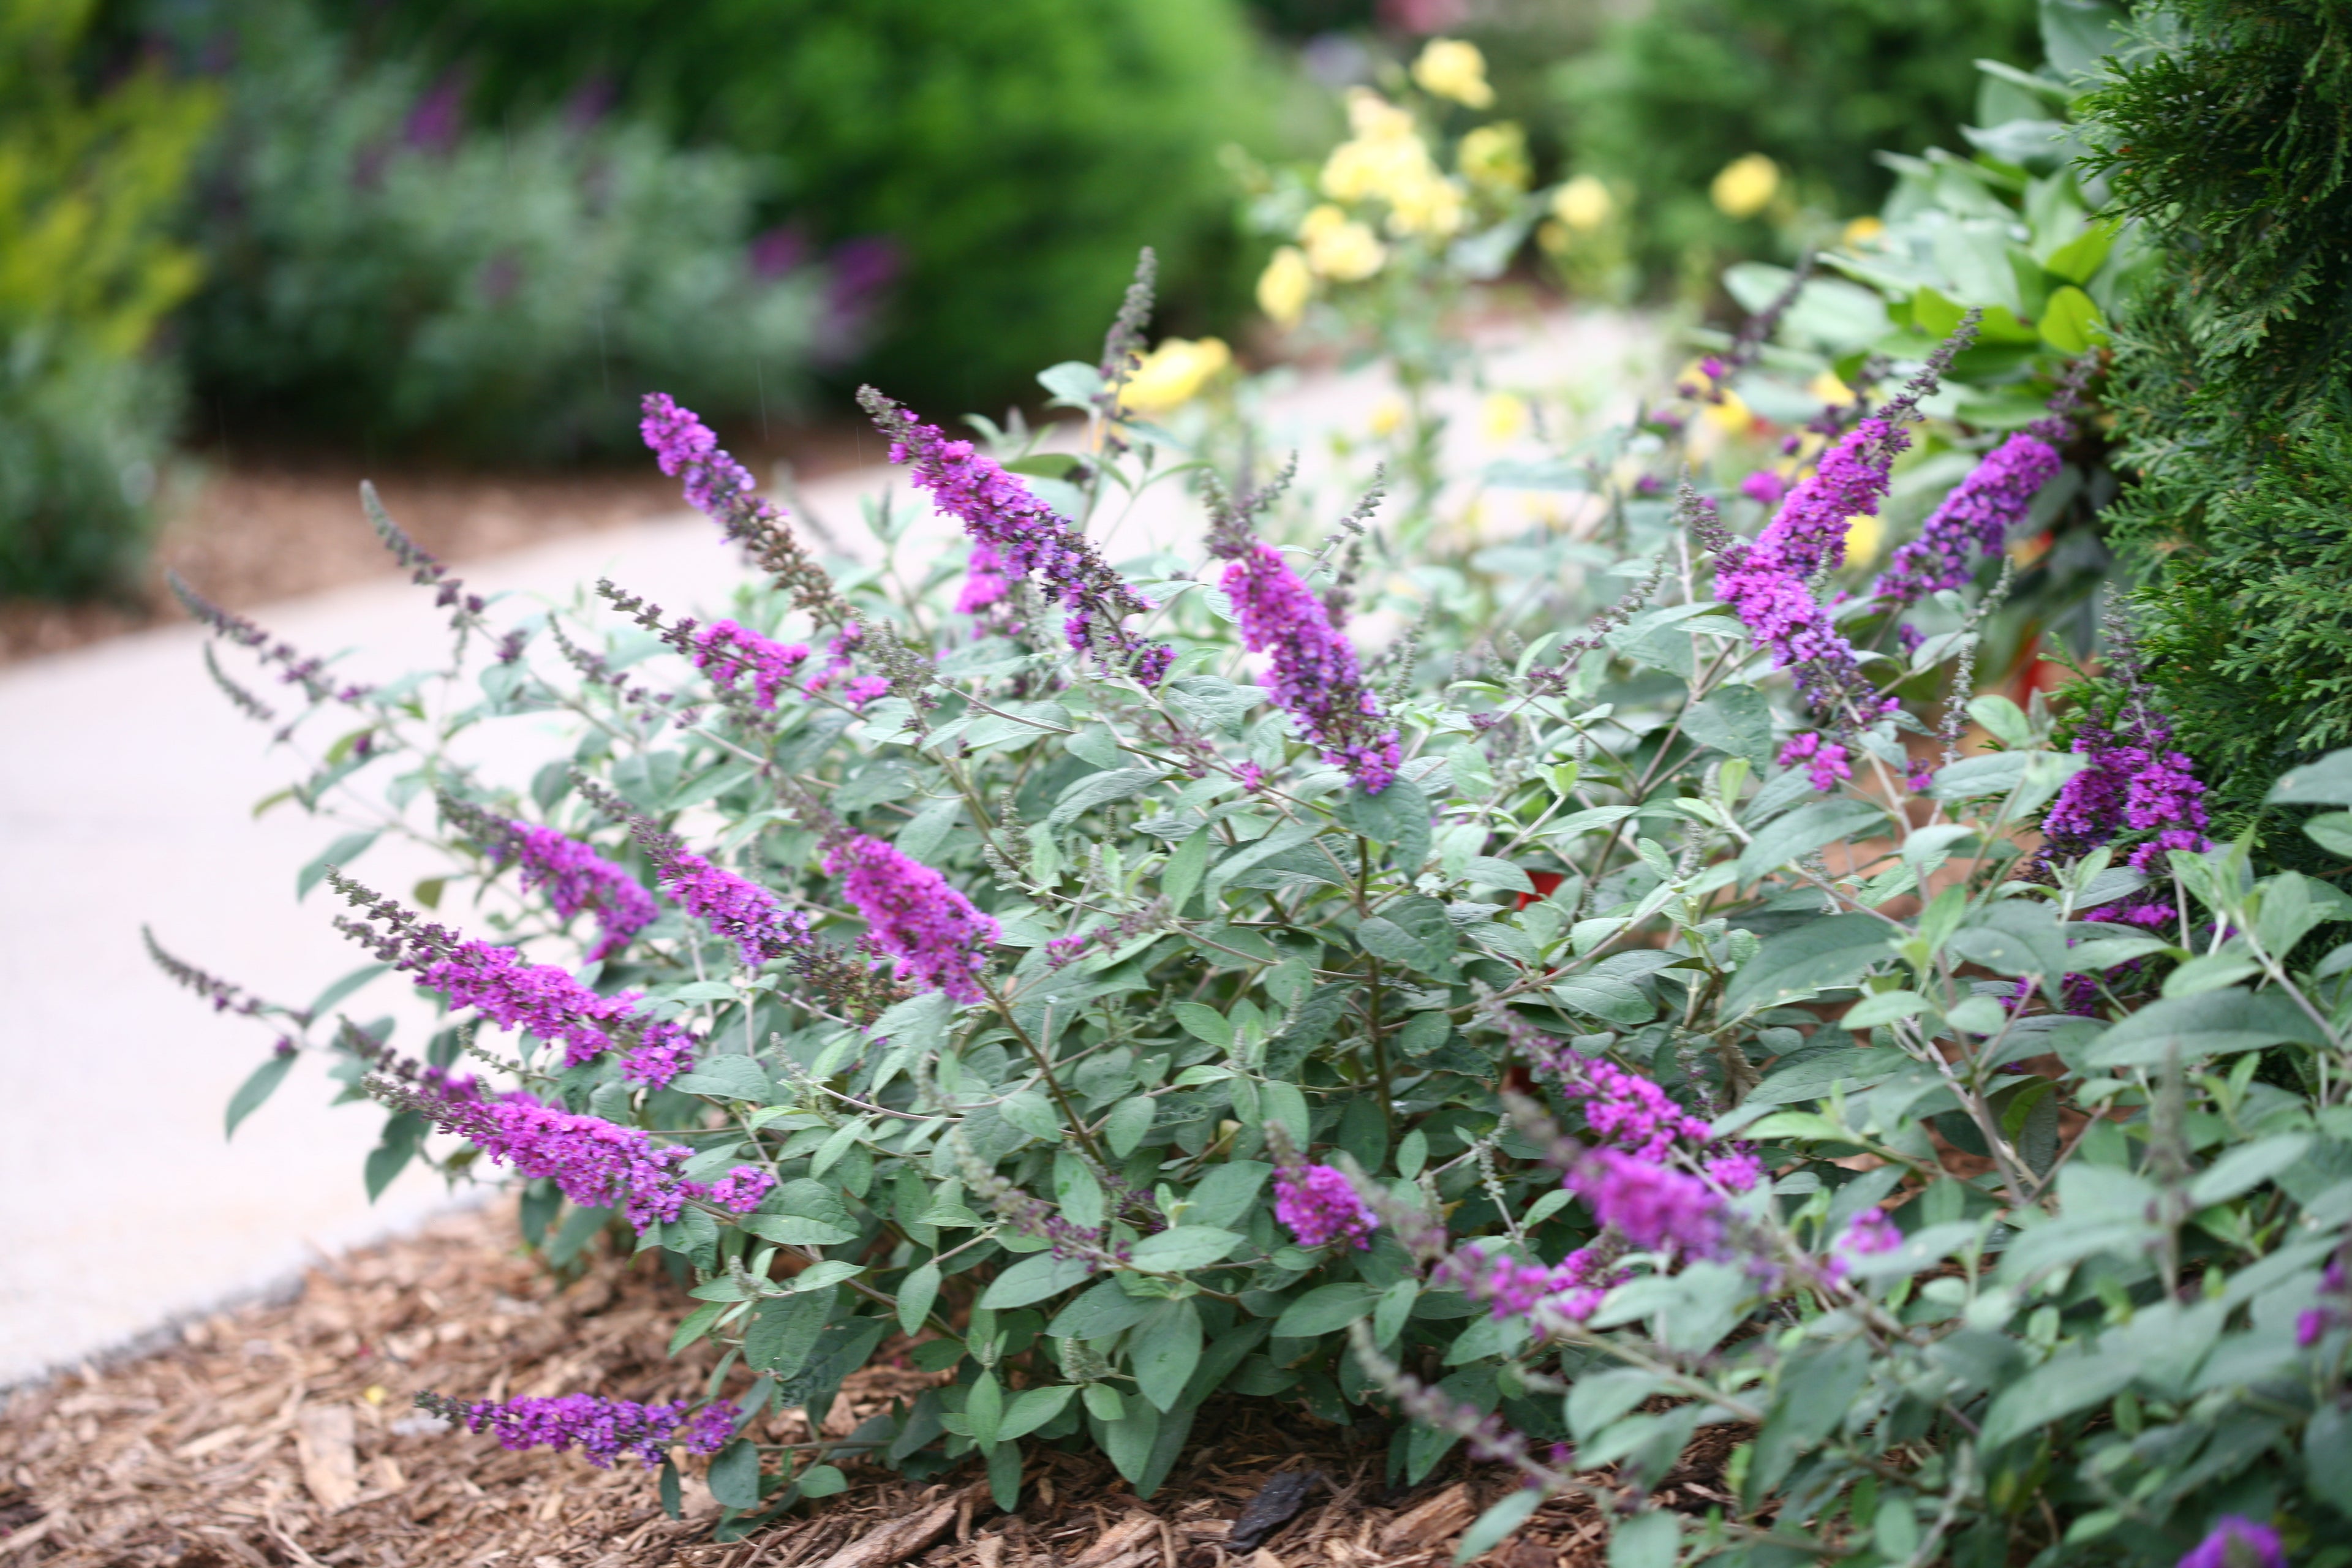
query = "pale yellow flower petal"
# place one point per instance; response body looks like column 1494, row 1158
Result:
column 1746, row 187
column 1584, row 204
column 1502, row 417
column 1862, row 231
column 1173, row 374
column 1286, row 286
column 1450, row 68
column 1864, row 534
column 1388, row 416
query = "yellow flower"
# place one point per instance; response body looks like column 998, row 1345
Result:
column 1374, row 119
column 1732, row 413
column 1495, row 157
column 1449, row 68
column 1584, row 204
column 1863, row 533
column 1553, row 235
column 1173, row 373
column 1830, row 389
column 1746, row 187
column 1431, row 207
column 1286, row 286
column 1388, row 417
column 1502, row 416
column 1340, row 247
column 1862, row 231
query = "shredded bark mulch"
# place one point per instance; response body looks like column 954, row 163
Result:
column 283, row 1435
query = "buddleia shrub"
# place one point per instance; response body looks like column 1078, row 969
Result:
column 385, row 270
column 1100, row 983
column 91, row 182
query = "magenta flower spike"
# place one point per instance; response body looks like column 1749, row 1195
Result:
column 1657, row 1209
column 733, row 907
column 2238, row 1543
column 1025, row 538
column 1314, row 675
column 729, row 653
column 575, row 878
column 1321, row 1207
column 603, row 1430
column 912, row 914
column 1975, row 517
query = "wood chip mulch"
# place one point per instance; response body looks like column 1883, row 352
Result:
column 283, row 1435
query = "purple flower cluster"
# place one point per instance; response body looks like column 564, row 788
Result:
column 2312, row 1322
column 515, row 994
column 1026, row 537
column 1321, row 1207
column 985, row 582
column 1316, row 678
column 1656, row 1208
column 594, row 1162
column 602, row 1429
column 1976, row 516
column 1621, row 1107
column 733, row 907
column 1866, row 1235
column 912, row 914
column 2134, row 783
column 1767, row 581
column 728, row 652
column 575, row 876
column 716, row 484
column 2238, row 1543
column 1572, row 1289
column 856, row 691
column 1826, row 761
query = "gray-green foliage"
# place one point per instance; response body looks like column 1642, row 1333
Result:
column 386, row 270
column 2083, row 1349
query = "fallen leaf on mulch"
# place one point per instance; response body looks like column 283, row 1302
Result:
column 283, row 1436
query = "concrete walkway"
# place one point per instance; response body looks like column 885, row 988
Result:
column 127, row 788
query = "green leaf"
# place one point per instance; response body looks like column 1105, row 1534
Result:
column 1811, row 1396
column 1735, row 720
column 2080, row 257
column 2327, row 782
column 1324, row 1308
column 1884, row 1007
column 1128, row 1120
column 1184, row 869
column 728, row 1077
column 1205, row 1022
column 916, row 1293
column 2332, row 831
column 825, row 1275
column 1130, row 1440
column 735, row 1475
column 339, row 854
column 344, row 987
column 1815, row 956
column 2327, row 1457
column 1806, row 829
column 783, row 1331
column 1032, row 1280
column 1598, row 1398
column 2070, row 322
column 1075, row 384
column 1499, row 1520
column 258, row 1087
column 983, row 1409
column 2055, row 1391
column 1284, row 1103
column 1486, row 871
column 1102, row 1402
column 1212, row 702
column 2246, row 1167
column 1100, row 1313
column 1100, row 789
column 1185, row 1246
column 2212, row 1023
column 696, row 1324
column 1651, row 1540
column 1163, row 1351
column 1225, row 1193
column 1032, row 1408
column 1396, row 1306
column 1414, row 931
column 822, row 1481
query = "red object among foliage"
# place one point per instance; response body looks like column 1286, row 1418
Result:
column 1547, row 884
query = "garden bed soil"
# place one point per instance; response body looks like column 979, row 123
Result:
column 282, row 1434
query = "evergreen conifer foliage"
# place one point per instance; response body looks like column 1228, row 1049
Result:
column 2228, row 131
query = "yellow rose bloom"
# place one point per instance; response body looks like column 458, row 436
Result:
column 1374, row 119
column 1388, row 417
column 1495, row 158
column 1286, row 286
column 1502, row 417
column 1173, row 373
column 1731, row 414
column 1860, row 232
column 1584, row 204
column 1830, row 389
column 1863, row 533
column 1430, row 206
column 1746, row 187
column 1449, row 68
column 1340, row 247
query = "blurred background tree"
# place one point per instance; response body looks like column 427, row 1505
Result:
column 90, row 179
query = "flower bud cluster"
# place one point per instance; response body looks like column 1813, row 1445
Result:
column 602, row 1429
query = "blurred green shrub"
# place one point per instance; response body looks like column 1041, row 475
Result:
column 1677, row 93
column 377, row 269
column 2228, row 131
column 88, row 183
column 1014, row 155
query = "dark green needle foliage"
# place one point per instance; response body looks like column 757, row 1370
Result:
column 2227, row 131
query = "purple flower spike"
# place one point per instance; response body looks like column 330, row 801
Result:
column 594, row 1162
column 727, row 653
column 1976, row 516
column 1657, row 1209
column 551, row 1003
column 985, row 582
column 2238, row 1543
column 939, row 938
column 1572, row 1289
column 733, row 907
column 1026, row 538
column 1316, row 678
column 602, row 1429
column 1321, row 1207
column 1825, row 760
column 576, row 878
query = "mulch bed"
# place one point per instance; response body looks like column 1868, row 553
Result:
column 283, row 1435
